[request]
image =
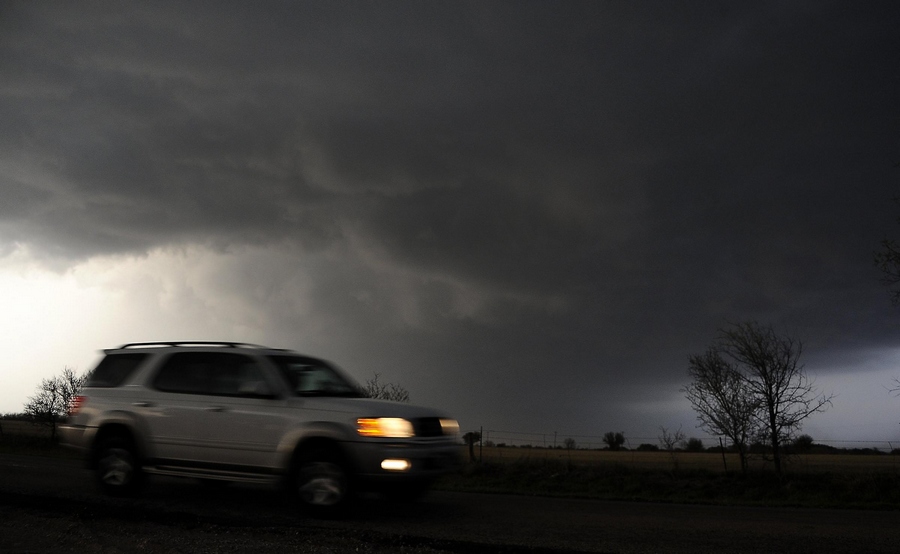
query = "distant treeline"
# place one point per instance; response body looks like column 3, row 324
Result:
column 813, row 448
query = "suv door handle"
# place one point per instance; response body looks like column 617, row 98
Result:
column 143, row 404
column 216, row 409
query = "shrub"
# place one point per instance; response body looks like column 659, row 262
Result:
column 694, row 445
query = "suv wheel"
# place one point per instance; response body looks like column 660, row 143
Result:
column 118, row 470
column 322, row 483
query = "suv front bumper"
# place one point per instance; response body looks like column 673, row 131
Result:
column 425, row 461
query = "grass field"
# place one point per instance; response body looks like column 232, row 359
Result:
column 870, row 481
column 23, row 437
column 708, row 461
column 15, row 428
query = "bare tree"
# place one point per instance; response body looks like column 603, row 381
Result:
column 614, row 440
column 888, row 261
column 670, row 441
column 569, row 443
column 770, row 366
column 723, row 400
column 54, row 395
column 895, row 387
column 385, row 391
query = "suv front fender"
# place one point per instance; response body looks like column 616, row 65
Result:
column 313, row 431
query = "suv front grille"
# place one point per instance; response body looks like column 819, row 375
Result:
column 428, row 427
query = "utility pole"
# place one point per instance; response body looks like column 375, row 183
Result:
column 481, row 444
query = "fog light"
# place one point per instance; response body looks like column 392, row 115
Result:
column 395, row 465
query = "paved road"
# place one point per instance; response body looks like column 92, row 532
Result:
column 51, row 505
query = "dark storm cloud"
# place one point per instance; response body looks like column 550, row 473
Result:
column 582, row 190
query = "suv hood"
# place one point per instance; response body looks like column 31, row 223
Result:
column 365, row 407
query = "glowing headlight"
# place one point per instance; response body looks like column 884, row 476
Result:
column 390, row 427
column 450, row 426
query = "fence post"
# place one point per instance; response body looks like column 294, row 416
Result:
column 722, row 447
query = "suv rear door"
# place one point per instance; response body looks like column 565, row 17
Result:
column 216, row 409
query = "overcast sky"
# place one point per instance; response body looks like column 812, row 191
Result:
column 527, row 213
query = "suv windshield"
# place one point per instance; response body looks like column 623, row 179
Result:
column 310, row 377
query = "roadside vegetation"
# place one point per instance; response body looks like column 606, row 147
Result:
column 869, row 480
column 20, row 434
column 818, row 477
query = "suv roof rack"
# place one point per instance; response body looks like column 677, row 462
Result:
column 162, row 344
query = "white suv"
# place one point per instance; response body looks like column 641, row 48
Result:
column 239, row 412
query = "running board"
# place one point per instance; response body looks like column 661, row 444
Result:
column 218, row 475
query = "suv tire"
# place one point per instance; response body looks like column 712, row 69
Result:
column 322, row 483
column 118, row 469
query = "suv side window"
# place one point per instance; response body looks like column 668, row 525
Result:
column 212, row 373
column 114, row 369
column 309, row 377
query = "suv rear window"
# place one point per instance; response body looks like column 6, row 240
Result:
column 114, row 369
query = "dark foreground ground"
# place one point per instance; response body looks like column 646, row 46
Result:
column 49, row 505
